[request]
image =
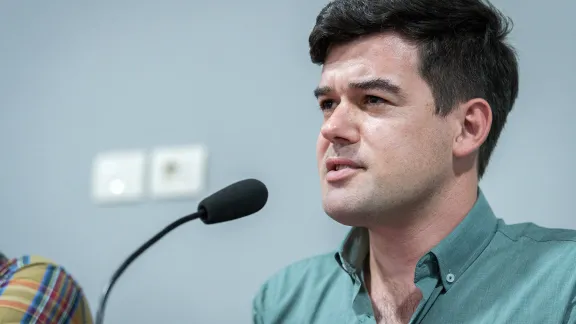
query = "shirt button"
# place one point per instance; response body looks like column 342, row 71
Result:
column 450, row 278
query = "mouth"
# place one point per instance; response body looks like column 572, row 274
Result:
column 339, row 169
column 337, row 164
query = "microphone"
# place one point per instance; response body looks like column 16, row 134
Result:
column 238, row 200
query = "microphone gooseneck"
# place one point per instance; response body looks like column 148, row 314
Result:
column 238, row 200
column 133, row 256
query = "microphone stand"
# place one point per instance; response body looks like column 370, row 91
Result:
column 104, row 298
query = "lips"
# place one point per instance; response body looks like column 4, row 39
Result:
column 340, row 169
column 336, row 164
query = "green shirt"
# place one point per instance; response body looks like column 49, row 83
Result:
column 484, row 271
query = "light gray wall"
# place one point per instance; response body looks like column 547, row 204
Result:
column 80, row 78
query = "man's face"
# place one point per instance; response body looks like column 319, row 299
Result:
column 381, row 149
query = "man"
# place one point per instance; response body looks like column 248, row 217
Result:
column 35, row 290
column 414, row 95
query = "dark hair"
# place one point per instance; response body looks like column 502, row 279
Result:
column 461, row 43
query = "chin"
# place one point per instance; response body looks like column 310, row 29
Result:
column 345, row 212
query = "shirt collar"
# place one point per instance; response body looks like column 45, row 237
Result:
column 454, row 254
column 457, row 251
column 353, row 251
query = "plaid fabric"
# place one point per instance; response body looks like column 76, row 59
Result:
column 35, row 290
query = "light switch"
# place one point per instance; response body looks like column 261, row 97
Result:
column 178, row 172
column 118, row 176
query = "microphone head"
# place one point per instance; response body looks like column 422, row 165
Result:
column 239, row 199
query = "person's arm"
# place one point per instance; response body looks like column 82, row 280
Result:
column 570, row 317
column 257, row 310
column 259, row 306
column 36, row 290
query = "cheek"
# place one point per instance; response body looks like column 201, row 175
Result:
column 403, row 143
column 429, row 147
column 384, row 136
column 322, row 145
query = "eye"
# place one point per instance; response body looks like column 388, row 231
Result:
column 373, row 100
column 326, row 104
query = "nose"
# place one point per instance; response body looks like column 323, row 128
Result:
column 341, row 127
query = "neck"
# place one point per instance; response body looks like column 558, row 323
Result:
column 395, row 248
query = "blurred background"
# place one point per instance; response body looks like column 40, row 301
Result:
column 80, row 79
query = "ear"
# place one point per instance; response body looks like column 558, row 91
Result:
column 475, row 120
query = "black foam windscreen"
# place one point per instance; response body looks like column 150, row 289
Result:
column 239, row 199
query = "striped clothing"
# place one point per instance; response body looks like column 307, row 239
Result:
column 35, row 290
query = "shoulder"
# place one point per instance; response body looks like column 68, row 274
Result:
column 300, row 282
column 296, row 275
column 538, row 234
column 539, row 244
column 311, row 268
column 31, row 269
column 34, row 289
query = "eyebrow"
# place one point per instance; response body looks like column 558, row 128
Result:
column 373, row 84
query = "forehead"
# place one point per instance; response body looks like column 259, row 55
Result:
column 380, row 55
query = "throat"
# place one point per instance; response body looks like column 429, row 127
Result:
column 394, row 300
column 385, row 312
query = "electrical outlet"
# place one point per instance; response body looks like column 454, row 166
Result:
column 178, row 172
column 118, row 176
